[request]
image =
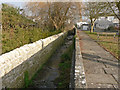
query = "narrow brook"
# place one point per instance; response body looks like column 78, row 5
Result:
column 50, row 71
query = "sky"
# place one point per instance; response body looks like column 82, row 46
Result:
column 15, row 4
column 21, row 3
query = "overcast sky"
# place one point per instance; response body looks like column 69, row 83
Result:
column 15, row 4
column 20, row 3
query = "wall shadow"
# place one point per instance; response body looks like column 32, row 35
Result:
column 96, row 58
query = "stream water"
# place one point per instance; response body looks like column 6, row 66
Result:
column 45, row 78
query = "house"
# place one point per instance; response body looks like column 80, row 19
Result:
column 85, row 27
column 101, row 25
column 106, row 23
column 79, row 24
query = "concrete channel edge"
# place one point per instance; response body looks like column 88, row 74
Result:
column 80, row 80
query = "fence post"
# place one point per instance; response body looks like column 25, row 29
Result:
column 98, row 37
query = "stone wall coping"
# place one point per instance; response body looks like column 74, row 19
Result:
column 23, row 52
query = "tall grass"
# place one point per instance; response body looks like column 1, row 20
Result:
column 18, row 30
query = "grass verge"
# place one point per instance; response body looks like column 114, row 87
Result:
column 107, row 42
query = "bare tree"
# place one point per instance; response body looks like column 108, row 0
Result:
column 93, row 10
column 79, row 6
column 115, row 7
column 53, row 15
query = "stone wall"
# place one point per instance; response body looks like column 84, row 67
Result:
column 23, row 62
column 80, row 81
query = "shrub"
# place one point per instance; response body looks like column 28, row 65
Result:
column 18, row 30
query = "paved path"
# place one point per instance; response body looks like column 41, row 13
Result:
column 101, row 68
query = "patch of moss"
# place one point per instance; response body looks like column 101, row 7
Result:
column 64, row 67
column 26, row 79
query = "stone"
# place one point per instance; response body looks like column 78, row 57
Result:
column 29, row 58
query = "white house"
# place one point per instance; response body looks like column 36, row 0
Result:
column 110, row 18
column 81, row 23
column 105, row 22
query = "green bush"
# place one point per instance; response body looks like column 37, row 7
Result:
column 110, row 28
column 18, row 30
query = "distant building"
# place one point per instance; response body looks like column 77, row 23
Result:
column 85, row 27
column 79, row 24
column 103, row 23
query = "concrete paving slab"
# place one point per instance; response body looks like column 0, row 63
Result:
column 99, row 65
column 100, row 78
column 111, row 70
column 94, row 71
column 116, row 86
column 99, row 85
column 111, row 65
column 116, row 77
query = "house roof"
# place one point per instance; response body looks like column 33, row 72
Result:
column 103, row 23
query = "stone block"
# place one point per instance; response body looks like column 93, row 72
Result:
column 29, row 57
